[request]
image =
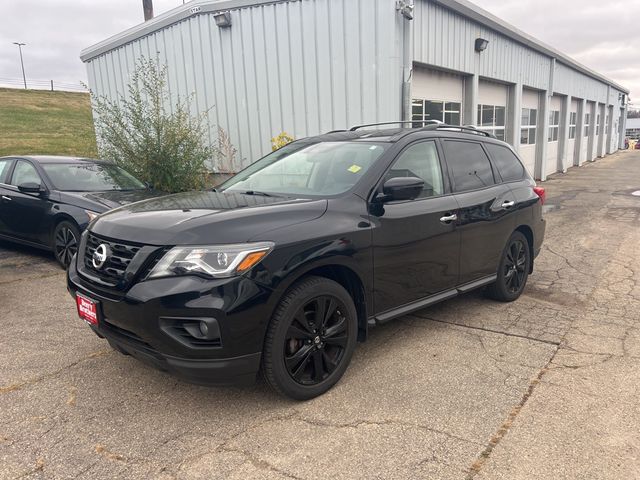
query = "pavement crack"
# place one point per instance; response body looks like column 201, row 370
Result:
column 508, row 422
column 18, row 386
column 490, row 330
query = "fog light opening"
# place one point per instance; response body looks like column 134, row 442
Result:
column 204, row 329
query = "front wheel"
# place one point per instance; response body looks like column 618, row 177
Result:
column 310, row 339
column 513, row 270
column 66, row 237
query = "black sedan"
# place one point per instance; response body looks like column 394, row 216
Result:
column 46, row 201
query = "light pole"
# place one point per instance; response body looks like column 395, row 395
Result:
column 24, row 78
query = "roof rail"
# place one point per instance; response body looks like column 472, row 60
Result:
column 463, row 129
column 400, row 122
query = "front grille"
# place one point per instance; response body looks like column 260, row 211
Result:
column 120, row 256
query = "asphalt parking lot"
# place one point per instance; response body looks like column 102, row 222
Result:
column 546, row 387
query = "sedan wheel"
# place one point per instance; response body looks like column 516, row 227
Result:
column 65, row 242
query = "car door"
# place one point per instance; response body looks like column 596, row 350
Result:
column 486, row 215
column 415, row 244
column 25, row 215
column 5, row 190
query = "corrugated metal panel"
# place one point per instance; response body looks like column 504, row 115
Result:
column 446, row 39
column 304, row 67
column 568, row 81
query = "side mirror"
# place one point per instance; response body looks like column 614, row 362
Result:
column 31, row 187
column 149, row 185
column 402, row 188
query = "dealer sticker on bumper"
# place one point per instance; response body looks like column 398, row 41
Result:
column 87, row 309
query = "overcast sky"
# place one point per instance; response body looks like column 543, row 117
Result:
column 603, row 35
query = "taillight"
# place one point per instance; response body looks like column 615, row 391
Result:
column 541, row 193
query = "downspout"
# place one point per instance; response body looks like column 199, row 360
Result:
column 405, row 9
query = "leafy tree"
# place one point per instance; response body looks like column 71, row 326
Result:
column 160, row 143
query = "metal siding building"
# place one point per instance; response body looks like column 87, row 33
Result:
column 310, row 66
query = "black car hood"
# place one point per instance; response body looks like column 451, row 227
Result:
column 104, row 201
column 204, row 218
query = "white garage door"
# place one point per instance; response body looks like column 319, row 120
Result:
column 492, row 108
column 529, row 128
column 573, row 125
column 437, row 96
column 553, row 135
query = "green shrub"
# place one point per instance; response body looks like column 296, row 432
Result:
column 163, row 146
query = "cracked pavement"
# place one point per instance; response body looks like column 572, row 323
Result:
column 545, row 387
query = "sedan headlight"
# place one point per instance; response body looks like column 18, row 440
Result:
column 217, row 261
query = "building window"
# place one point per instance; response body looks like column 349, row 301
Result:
column 492, row 118
column 587, row 122
column 554, row 125
column 573, row 120
column 528, row 124
column 447, row 112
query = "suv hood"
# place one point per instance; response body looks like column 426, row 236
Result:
column 204, row 218
column 103, row 201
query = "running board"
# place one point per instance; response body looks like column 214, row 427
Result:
column 428, row 301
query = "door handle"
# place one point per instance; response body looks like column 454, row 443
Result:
column 508, row 204
column 449, row 218
column 8, row 199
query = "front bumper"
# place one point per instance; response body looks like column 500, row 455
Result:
column 147, row 322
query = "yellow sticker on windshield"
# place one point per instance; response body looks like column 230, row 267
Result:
column 354, row 168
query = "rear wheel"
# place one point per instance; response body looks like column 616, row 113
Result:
column 513, row 270
column 66, row 237
column 310, row 339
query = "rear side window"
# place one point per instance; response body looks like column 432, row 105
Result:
column 469, row 165
column 5, row 165
column 506, row 163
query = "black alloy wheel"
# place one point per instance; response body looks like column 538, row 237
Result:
column 513, row 271
column 514, row 266
column 311, row 339
column 65, row 242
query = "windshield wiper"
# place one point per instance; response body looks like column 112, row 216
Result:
column 257, row 193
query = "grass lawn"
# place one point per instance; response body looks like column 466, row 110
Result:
column 46, row 123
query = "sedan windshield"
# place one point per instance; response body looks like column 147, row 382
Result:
column 90, row 177
column 326, row 168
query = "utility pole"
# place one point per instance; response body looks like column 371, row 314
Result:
column 24, row 78
column 147, row 6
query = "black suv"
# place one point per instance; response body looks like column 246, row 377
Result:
column 286, row 265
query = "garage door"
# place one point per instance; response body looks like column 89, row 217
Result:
column 529, row 129
column 437, row 96
column 553, row 134
column 585, row 152
column 573, row 125
column 492, row 108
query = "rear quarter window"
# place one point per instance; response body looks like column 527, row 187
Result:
column 506, row 163
column 468, row 165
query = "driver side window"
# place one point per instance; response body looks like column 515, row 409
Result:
column 420, row 160
column 24, row 172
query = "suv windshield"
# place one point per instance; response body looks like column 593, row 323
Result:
column 90, row 177
column 326, row 168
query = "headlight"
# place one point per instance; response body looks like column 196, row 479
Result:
column 91, row 215
column 217, row 261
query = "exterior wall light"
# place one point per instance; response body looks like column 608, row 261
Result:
column 223, row 19
column 405, row 8
column 481, row 44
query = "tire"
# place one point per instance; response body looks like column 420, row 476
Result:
column 66, row 237
column 512, row 274
column 302, row 359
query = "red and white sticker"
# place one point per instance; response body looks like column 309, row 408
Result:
column 87, row 309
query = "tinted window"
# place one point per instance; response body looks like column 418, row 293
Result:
column 90, row 177
column 420, row 160
column 506, row 162
column 5, row 165
column 468, row 164
column 24, row 173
